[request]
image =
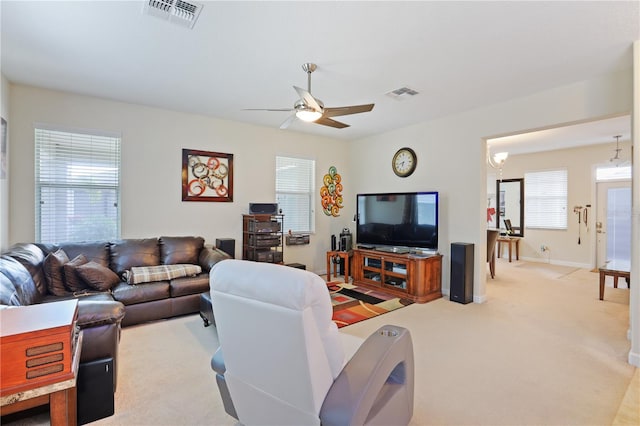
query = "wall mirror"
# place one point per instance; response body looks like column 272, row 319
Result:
column 510, row 203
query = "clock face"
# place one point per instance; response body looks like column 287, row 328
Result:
column 404, row 162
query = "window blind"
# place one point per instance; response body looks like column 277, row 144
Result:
column 294, row 192
column 77, row 186
column 546, row 199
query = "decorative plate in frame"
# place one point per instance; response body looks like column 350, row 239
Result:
column 207, row 176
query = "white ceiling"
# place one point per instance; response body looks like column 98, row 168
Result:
column 458, row 55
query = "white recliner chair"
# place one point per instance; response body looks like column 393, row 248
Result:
column 284, row 360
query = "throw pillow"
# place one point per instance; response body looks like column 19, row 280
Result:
column 53, row 264
column 97, row 276
column 146, row 274
column 71, row 279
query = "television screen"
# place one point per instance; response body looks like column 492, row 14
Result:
column 408, row 219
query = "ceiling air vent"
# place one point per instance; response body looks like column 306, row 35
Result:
column 176, row 11
column 401, row 93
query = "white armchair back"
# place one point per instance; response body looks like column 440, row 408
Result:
column 287, row 313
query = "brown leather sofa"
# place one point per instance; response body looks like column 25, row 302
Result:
column 24, row 280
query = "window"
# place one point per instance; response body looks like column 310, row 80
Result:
column 294, row 192
column 546, row 199
column 77, row 185
column 605, row 173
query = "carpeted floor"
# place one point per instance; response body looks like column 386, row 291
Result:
column 541, row 351
column 352, row 304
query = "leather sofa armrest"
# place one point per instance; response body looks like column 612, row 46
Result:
column 95, row 313
column 377, row 383
column 209, row 256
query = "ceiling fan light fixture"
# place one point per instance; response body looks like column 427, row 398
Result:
column 308, row 114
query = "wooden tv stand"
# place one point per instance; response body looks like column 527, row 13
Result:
column 411, row 276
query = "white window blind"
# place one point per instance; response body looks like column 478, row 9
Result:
column 77, row 186
column 546, row 199
column 294, row 192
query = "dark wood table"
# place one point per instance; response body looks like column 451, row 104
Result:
column 615, row 269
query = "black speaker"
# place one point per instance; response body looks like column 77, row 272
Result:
column 227, row 245
column 95, row 390
column 461, row 288
column 263, row 208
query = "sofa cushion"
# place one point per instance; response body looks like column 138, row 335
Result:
column 94, row 251
column 31, row 257
column 133, row 294
column 52, row 267
column 88, row 294
column 210, row 256
column 189, row 285
column 180, row 249
column 146, row 274
column 134, row 252
column 72, row 280
column 16, row 284
column 97, row 276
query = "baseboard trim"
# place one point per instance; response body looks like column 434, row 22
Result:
column 557, row 262
column 479, row 298
column 634, row 359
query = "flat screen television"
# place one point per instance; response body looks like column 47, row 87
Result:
column 397, row 220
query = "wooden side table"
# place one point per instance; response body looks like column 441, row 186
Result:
column 61, row 396
column 344, row 255
column 511, row 241
column 614, row 269
column 39, row 357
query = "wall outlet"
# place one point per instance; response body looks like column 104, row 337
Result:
column 543, row 248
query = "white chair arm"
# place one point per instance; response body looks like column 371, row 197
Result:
column 376, row 385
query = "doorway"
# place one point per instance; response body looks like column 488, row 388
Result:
column 613, row 222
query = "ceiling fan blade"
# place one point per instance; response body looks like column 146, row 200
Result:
column 326, row 121
column 353, row 109
column 267, row 109
column 288, row 121
column 310, row 100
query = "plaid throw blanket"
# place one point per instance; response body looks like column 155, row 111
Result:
column 146, row 274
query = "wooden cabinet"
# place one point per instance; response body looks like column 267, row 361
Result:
column 414, row 277
column 262, row 236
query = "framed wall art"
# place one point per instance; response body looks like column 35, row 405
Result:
column 207, row 176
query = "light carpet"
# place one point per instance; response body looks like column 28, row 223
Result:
column 540, row 351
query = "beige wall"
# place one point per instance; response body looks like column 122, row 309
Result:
column 580, row 164
column 152, row 143
column 451, row 155
column 451, row 160
column 4, row 183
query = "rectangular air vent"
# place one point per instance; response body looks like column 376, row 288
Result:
column 176, row 11
column 402, row 93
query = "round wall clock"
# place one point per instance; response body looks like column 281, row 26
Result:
column 404, row 162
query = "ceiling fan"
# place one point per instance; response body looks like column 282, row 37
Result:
column 311, row 109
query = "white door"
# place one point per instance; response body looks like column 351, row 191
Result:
column 613, row 222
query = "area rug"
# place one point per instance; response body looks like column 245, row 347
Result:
column 352, row 304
